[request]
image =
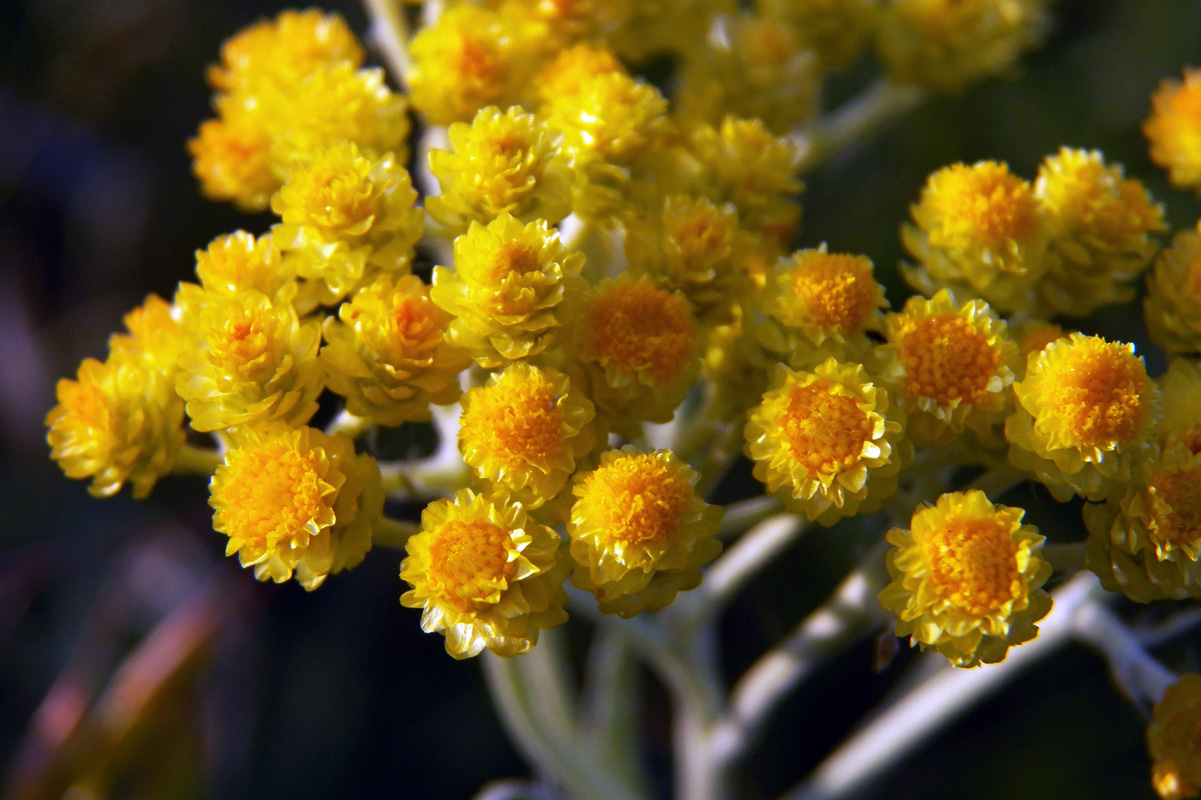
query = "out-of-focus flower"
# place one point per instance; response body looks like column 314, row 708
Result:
column 1181, row 390
column 967, row 579
column 1172, row 309
column 239, row 261
column 294, row 501
column 1174, row 129
column 1174, row 740
column 289, row 47
column 485, row 575
column 835, row 29
column 639, row 534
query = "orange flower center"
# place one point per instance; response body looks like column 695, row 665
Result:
column 946, row 359
column 638, row 328
column 272, row 495
column 973, row 565
column 636, row 499
column 517, row 422
column 1097, row 389
column 825, row 431
column 983, row 205
column 1176, row 514
column 469, row 561
column 414, row 321
column 836, row 290
column 244, row 343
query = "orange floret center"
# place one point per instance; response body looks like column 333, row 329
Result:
column 984, row 205
column 1097, row 390
column 273, row 495
column 825, row 432
column 836, row 289
column 476, row 61
column 973, row 565
column 414, row 321
column 242, row 342
column 515, row 421
column 636, row 499
column 1176, row 518
column 638, row 328
column 946, row 359
column 513, row 258
column 469, row 561
column 340, row 197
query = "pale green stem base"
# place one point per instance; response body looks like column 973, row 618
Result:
column 192, row 460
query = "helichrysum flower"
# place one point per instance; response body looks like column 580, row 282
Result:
column 120, row 421
column 471, row 58
column 827, row 442
column 485, row 575
column 947, row 44
column 1181, row 390
column 509, row 289
column 344, row 215
column 294, row 44
column 386, row 352
column 503, row 162
column 820, row 302
column 1145, row 540
column 978, row 230
column 1172, row 309
column 967, row 579
column 834, row 29
column 951, row 365
column 570, row 68
column 231, row 157
column 1084, row 411
column 1174, row 740
column 253, row 360
column 640, row 347
column 1099, row 222
column 239, row 261
column 294, row 501
column 639, row 533
column 1174, row 129
column 153, row 333
column 609, row 116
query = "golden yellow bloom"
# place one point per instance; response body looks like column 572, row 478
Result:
column 639, row 534
column 294, row 501
column 967, row 579
column 1181, row 390
column 1172, row 309
column 1145, row 541
column 1174, row 129
column 503, row 162
column 294, row 44
column 386, row 352
column 1099, row 224
column 608, row 116
column 566, row 21
column 979, row 231
column 524, row 431
column 154, row 333
column 1174, row 740
column 238, row 261
column 472, row 58
column 834, row 29
column 947, row 44
column 568, row 70
column 1085, row 410
column 346, row 214
column 640, row 345
column 817, row 301
column 950, row 366
column 252, row 360
column 120, row 421
column 828, row 442
column 231, row 157
column 509, row 289
column 485, row 575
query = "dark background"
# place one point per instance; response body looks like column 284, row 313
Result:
column 338, row 693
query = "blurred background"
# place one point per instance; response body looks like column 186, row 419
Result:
column 137, row 662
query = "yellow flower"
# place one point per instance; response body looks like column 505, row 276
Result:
column 966, row 579
column 951, row 366
column 485, row 575
column 1099, row 225
column 502, row 162
column 1174, row 740
column 1181, row 390
column 471, row 58
column 387, row 353
column 1172, row 309
column 238, row 261
column 120, row 421
column 253, row 360
column 524, row 431
column 154, row 333
column 231, row 157
column 639, row 534
column 834, row 29
column 509, row 289
column 640, row 347
column 1174, row 129
column 1145, row 541
column 947, row 44
column 608, row 116
column 568, row 70
column 818, row 301
column 345, row 214
column 1085, row 410
column 827, row 442
column 295, row 502
column 979, row 231
column 294, row 44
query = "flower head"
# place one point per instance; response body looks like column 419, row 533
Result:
column 239, row 261
column 1181, row 389
column 294, row 501
column 639, row 533
column 1174, row 740
column 294, row 44
column 231, row 157
column 1085, row 410
column 979, row 231
column 1174, row 129
column 485, row 575
column 1172, row 309
column 827, row 442
column 607, row 116
column 966, row 579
